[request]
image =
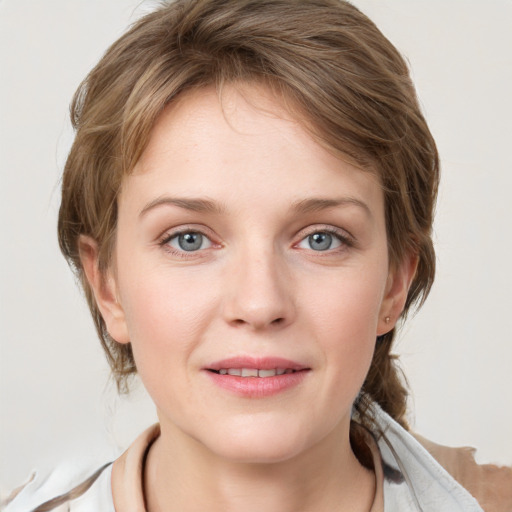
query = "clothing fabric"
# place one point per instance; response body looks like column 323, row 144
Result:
column 408, row 478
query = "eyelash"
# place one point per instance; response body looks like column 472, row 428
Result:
column 346, row 240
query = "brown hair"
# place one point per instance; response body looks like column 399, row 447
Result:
column 343, row 78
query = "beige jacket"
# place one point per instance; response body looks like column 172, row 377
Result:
column 490, row 485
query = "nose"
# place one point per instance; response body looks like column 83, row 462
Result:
column 260, row 292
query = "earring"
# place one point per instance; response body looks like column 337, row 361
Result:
column 387, row 319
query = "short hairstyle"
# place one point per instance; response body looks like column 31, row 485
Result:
column 343, row 80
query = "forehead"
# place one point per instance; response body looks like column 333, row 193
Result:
column 244, row 114
column 244, row 141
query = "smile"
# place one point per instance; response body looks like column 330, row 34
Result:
column 256, row 377
column 253, row 372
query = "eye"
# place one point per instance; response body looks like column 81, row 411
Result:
column 189, row 241
column 321, row 241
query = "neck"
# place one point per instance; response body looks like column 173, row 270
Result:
column 183, row 475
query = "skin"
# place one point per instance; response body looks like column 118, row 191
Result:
column 257, row 286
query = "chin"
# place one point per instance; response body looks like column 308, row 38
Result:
column 258, row 451
column 260, row 442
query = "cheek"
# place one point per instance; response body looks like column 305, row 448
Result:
column 347, row 305
column 166, row 316
column 345, row 318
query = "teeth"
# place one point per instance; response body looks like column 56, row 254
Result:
column 254, row 372
column 249, row 372
column 266, row 373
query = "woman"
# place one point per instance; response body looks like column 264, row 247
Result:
column 248, row 204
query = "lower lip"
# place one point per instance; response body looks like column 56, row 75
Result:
column 258, row 387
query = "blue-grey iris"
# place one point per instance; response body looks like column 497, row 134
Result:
column 190, row 241
column 320, row 241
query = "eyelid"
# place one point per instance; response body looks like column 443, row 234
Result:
column 343, row 234
column 185, row 228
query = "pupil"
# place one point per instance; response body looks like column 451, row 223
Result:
column 320, row 241
column 190, row 241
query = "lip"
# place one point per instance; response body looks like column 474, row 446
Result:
column 261, row 363
column 257, row 387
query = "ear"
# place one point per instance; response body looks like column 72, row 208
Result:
column 104, row 287
column 397, row 288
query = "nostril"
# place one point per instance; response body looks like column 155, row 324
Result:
column 241, row 321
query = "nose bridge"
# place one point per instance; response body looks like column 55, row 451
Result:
column 260, row 294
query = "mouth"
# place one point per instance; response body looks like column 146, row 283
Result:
column 254, row 372
column 262, row 367
column 257, row 377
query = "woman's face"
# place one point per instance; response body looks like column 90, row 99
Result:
column 245, row 250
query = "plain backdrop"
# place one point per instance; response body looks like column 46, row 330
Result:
column 56, row 399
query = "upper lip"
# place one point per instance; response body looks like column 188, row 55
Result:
column 260, row 363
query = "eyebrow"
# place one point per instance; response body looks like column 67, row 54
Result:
column 318, row 204
column 192, row 204
column 304, row 206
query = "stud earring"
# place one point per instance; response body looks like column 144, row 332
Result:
column 387, row 319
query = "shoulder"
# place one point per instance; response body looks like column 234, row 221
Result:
column 491, row 485
column 68, row 488
column 426, row 476
column 82, row 488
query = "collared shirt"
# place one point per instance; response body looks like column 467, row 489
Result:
column 408, row 478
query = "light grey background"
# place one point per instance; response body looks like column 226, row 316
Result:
column 56, row 402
